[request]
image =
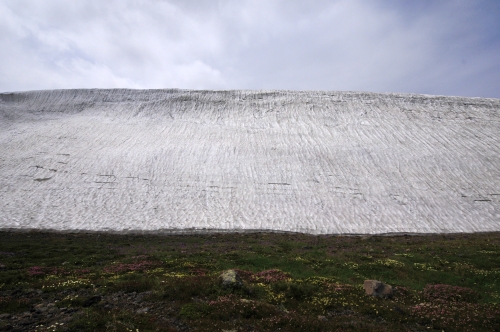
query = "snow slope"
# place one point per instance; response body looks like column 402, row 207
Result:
column 313, row 162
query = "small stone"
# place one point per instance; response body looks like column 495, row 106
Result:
column 26, row 322
column 4, row 316
column 231, row 279
column 142, row 311
column 3, row 267
column 377, row 288
column 322, row 318
column 53, row 310
column 16, row 291
column 91, row 301
column 281, row 307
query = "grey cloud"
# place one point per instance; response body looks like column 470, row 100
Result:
column 447, row 47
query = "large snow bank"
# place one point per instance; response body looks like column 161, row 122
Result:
column 313, row 162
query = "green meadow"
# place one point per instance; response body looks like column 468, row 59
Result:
column 291, row 282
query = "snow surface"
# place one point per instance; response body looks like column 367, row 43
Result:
column 312, row 162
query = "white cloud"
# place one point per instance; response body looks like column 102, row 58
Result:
column 439, row 48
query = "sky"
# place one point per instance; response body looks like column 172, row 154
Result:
column 432, row 47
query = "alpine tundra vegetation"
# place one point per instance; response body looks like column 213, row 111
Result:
column 280, row 282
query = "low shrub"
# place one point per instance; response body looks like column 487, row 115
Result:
column 450, row 293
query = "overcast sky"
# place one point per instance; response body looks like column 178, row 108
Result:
column 434, row 47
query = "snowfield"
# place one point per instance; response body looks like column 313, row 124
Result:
column 186, row 161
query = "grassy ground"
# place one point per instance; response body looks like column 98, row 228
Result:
column 292, row 282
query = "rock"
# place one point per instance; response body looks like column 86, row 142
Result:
column 4, row 316
column 3, row 267
column 377, row 288
column 41, row 310
column 322, row 318
column 91, row 301
column 345, row 312
column 231, row 279
column 142, row 311
column 53, row 310
column 27, row 321
column 16, row 291
column 281, row 307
